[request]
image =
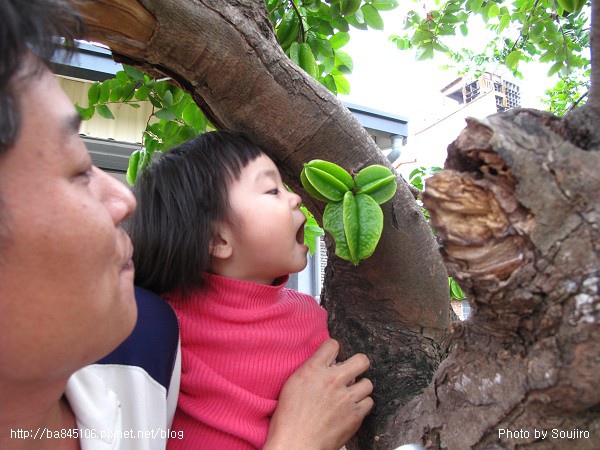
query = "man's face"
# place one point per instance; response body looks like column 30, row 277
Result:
column 66, row 277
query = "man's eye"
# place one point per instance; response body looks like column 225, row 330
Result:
column 85, row 175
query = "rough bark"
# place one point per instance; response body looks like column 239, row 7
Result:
column 226, row 55
column 518, row 214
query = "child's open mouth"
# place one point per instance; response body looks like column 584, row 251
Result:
column 300, row 234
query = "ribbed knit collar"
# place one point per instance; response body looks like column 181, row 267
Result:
column 230, row 293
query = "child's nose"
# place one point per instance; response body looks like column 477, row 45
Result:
column 296, row 200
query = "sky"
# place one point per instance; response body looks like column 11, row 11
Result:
column 390, row 80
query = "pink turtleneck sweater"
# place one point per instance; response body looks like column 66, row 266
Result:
column 240, row 342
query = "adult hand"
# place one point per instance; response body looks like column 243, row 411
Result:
column 320, row 406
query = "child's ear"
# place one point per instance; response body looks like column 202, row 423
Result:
column 220, row 247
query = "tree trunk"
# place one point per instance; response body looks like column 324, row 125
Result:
column 517, row 212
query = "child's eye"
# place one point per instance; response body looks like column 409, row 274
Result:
column 273, row 191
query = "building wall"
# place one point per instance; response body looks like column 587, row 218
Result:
column 128, row 125
column 428, row 147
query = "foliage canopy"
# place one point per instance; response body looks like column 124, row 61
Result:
column 543, row 31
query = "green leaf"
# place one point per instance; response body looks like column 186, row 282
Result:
column 504, row 22
column 402, row 43
column 333, row 223
column 351, row 225
column 161, row 88
column 192, row 116
column 104, row 111
column 417, row 181
column 85, row 113
column 493, row 11
column 327, row 64
column 424, row 52
column 349, row 7
column 550, row 55
column 357, row 20
column 167, row 99
column 475, row 5
column 555, row 68
column 372, row 17
column 122, row 77
column 156, row 128
column 186, row 133
column 363, row 224
column 142, row 93
column 104, row 92
column 339, row 39
column 165, row 114
column 307, row 60
column 151, row 144
column 341, row 24
column 455, row 291
column 312, row 231
column 343, row 59
column 93, row 94
column 447, row 30
column 133, row 73
column 342, row 84
column 116, row 93
column 420, row 36
column 177, row 93
column 171, row 129
column 440, row 47
column 339, row 173
column 294, row 52
column 155, row 102
column 384, row 5
column 132, row 168
column 329, row 83
column 513, row 58
column 449, row 18
column 322, row 48
column 128, row 92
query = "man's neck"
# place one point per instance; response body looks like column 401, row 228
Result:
column 36, row 419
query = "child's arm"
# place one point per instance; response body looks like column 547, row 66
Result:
column 320, row 407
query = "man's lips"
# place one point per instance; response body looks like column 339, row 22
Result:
column 128, row 265
column 128, row 261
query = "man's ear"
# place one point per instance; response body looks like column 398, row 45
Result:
column 220, row 247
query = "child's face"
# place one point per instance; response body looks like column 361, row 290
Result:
column 267, row 231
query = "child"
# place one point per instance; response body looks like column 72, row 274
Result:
column 217, row 233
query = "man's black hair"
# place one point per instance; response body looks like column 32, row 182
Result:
column 28, row 26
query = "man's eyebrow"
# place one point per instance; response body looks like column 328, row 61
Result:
column 72, row 123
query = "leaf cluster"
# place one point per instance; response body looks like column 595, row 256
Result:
column 175, row 116
column 312, row 33
column 545, row 31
